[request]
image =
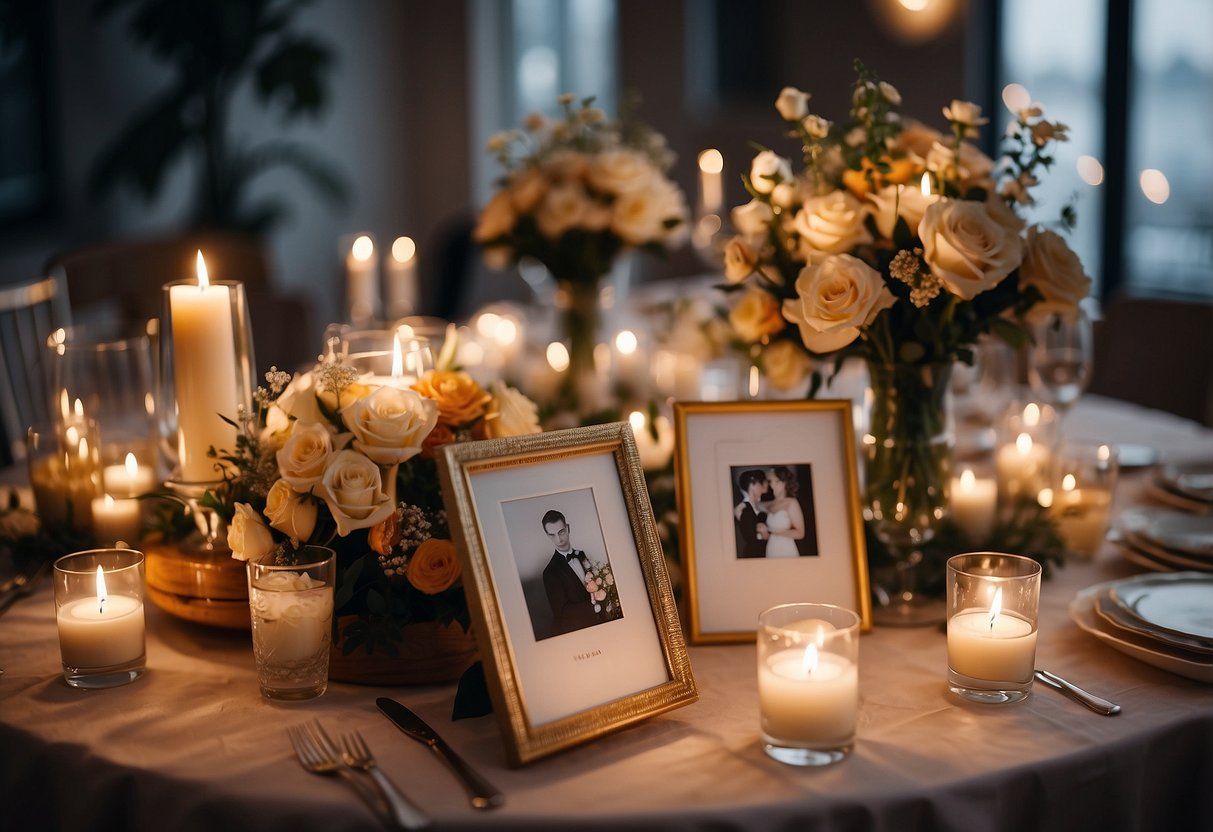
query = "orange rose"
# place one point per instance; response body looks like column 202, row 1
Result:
column 433, row 567
column 460, row 399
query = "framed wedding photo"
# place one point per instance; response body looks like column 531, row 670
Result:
column 571, row 603
column 769, row 512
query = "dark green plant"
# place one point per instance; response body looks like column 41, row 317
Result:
column 214, row 48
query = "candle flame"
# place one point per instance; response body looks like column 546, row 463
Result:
column 810, row 659
column 397, row 359
column 1023, row 444
column 204, row 280
column 996, row 607
column 101, row 594
column 968, row 481
column 925, row 184
column 132, row 465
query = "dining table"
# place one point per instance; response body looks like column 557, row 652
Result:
column 192, row 745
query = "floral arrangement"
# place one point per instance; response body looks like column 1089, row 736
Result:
column 334, row 458
column 896, row 243
column 600, row 584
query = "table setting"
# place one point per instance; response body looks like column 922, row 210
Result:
column 301, row 600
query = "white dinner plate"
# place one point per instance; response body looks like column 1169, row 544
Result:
column 1185, row 533
column 1181, row 603
column 1082, row 612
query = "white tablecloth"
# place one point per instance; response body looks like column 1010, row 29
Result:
column 192, row 745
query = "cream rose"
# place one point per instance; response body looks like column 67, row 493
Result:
column 248, row 537
column 785, row 365
column 288, row 513
column 304, row 456
column 893, row 201
column 767, row 170
column 756, row 316
column 1051, row 266
column 834, row 298
column 752, row 218
column 621, row 170
column 831, row 224
column 739, row 260
column 510, row 413
column 497, row 219
column 792, row 104
column 433, row 568
column 563, row 207
column 390, row 424
column 353, row 489
column 966, row 247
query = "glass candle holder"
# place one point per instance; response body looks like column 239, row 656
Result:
column 99, row 610
column 993, row 600
column 1026, row 434
column 292, row 616
column 808, row 682
column 1080, row 496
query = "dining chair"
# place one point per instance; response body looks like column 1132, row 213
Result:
column 29, row 313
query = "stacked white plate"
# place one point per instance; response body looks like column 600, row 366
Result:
column 1166, row 540
column 1185, row 485
column 1163, row 620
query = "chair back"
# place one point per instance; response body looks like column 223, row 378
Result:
column 29, row 313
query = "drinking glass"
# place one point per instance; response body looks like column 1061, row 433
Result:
column 291, row 607
column 808, row 682
column 1059, row 361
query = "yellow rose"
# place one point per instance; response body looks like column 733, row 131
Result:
column 756, row 316
column 460, row 399
column 785, row 365
column 433, row 567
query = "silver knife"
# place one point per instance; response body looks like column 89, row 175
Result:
column 484, row 794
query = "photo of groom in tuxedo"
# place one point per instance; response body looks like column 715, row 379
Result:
column 564, row 579
column 749, row 516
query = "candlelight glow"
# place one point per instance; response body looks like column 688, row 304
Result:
column 626, row 342
column 204, row 279
column 558, row 356
column 101, row 575
column 404, row 249
column 996, row 607
column 810, row 659
column 363, row 248
column 711, row 161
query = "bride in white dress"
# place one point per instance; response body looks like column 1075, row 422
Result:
column 785, row 518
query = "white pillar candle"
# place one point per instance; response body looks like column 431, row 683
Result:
column 402, row 279
column 991, row 646
column 809, row 697
column 974, row 505
column 204, row 372
column 116, row 521
column 96, row 633
column 129, row 479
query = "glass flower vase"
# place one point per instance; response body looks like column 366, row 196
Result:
column 907, row 476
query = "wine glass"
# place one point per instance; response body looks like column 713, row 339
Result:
column 1059, row 361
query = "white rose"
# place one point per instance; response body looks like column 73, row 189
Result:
column 1051, row 266
column 833, row 224
column 966, row 247
column 767, row 170
column 288, row 513
column 785, row 365
column 562, row 208
column 893, row 201
column 352, row 488
column 620, row 171
column 792, row 104
column 304, row 456
column 753, row 218
column 497, row 219
column 390, row 424
column 510, row 413
column 247, row 536
column 834, row 298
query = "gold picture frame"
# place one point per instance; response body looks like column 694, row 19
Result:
column 731, row 567
column 558, row 677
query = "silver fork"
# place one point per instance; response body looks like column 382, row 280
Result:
column 358, row 755
column 314, row 759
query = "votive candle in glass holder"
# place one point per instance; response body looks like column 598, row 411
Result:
column 808, row 682
column 99, row 610
column 993, row 600
column 1080, row 496
column 292, row 616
